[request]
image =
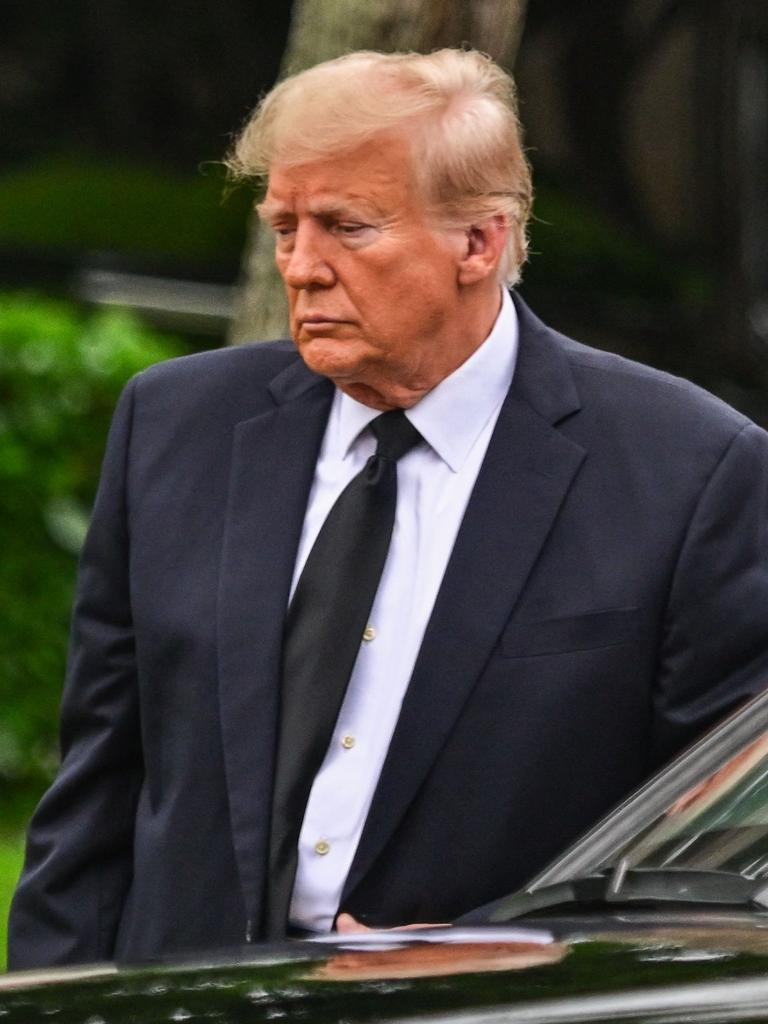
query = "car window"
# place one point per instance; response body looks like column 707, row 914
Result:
column 720, row 824
column 707, row 810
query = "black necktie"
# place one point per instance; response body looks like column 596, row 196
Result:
column 324, row 630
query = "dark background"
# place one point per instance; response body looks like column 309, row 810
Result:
column 115, row 116
column 648, row 130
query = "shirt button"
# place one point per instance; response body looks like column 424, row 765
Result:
column 322, row 847
column 369, row 633
column 348, row 742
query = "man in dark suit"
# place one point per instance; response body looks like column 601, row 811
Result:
column 574, row 588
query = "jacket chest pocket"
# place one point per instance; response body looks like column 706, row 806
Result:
column 586, row 632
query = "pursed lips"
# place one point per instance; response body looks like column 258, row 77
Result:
column 318, row 324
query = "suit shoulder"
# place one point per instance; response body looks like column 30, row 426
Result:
column 637, row 391
column 257, row 359
column 212, row 390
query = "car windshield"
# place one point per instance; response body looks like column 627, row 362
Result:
column 707, row 811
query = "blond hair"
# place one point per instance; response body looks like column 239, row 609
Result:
column 465, row 136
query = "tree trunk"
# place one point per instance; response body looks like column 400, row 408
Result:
column 322, row 29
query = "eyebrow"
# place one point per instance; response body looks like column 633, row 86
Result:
column 272, row 211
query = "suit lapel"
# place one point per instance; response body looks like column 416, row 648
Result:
column 273, row 461
column 524, row 478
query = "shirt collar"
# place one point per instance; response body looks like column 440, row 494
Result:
column 452, row 415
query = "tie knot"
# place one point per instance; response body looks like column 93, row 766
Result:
column 395, row 434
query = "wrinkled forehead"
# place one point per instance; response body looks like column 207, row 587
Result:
column 375, row 177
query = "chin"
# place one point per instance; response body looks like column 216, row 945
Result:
column 332, row 358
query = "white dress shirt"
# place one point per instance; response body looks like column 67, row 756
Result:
column 435, row 479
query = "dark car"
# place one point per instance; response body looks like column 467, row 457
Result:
column 659, row 914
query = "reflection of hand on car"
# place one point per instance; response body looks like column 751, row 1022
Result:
column 735, row 767
column 426, row 959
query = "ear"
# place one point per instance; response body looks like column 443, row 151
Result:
column 483, row 249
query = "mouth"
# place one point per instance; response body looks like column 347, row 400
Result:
column 319, row 319
column 320, row 324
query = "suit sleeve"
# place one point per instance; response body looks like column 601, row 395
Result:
column 78, row 863
column 714, row 652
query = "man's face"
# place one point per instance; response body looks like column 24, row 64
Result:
column 372, row 285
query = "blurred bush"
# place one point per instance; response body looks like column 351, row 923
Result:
column 61, row 370
column 77, row 202
column 11, row 854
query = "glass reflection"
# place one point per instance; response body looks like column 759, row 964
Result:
column 721, row 824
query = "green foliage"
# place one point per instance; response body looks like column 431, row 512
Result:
column 70, row 201
column 61, row 370
column 11, row 854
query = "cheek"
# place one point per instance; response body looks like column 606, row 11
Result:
column 426, row 299
column 401, row 299
column 398, row 292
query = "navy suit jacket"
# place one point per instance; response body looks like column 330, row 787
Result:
column 605, row 601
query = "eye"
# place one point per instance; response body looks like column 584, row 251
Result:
column 350, row 229
column 284, row 235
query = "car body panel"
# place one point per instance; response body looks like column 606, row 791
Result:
column 621, row 926
column 641, row 961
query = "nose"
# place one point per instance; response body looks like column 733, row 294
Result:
column 306, row 264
